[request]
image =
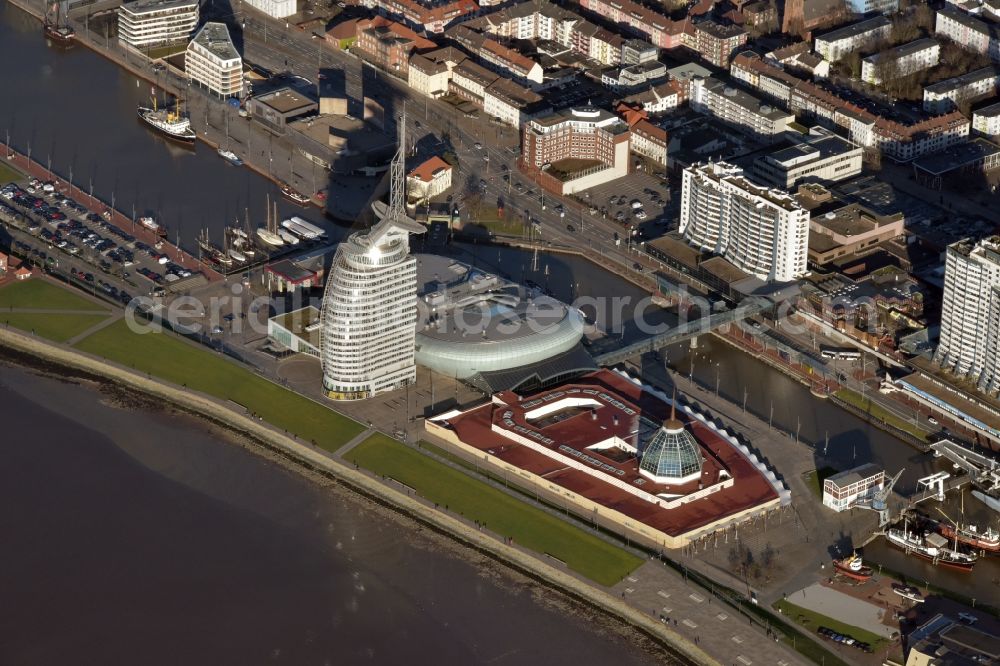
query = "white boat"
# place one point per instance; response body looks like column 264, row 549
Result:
column 288, row 237
column 239, row 233
column 269, row 237
column 237, row 255
column 907, row 592
column 230, row 157
column 152, row 225
column 172, row 124
column 308, row 226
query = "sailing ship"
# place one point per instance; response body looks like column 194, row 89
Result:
column 268, row 234
column 968, row 533
column 170, row 122
column 853, row 567
column 227, row 154
column 931, row 546
column 55, row 24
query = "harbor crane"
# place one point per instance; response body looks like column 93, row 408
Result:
column 880, row 500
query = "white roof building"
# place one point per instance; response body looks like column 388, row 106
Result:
column 145, row 24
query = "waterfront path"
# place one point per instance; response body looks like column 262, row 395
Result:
column 95, row 328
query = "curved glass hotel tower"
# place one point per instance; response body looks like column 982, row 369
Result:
column 370, row 305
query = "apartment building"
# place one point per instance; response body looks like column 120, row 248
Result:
column 575, row 149
column 432, row 16
column 987, row 120
column 870, row 6
column 975, row 34
column 658, row 98
column 649, row 141
column 970, row 313
column 763, row 232
column 717, row 42
column 657, row 28
column 212, row 61
column 895, row 140
column 634, row 76
column 953, row 93
column 430, row 73
column 388, row 44
column 835, row 44
column 637, row 51
column 900, row 61
column 821, row 157
column 512, row 104
column 145, row 24
column 496, row 56
column 739, row 109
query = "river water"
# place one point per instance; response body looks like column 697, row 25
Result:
column 138, row 537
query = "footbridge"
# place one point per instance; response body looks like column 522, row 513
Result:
column 688, row 329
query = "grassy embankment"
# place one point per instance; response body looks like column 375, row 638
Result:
column 502, row 514
column 173, row 359
column 9, row 174
column 37, row 294
column 880, row 413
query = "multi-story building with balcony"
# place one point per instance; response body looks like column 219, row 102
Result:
column 212, row 61
column 718, row 42
column 761, row 231
column 146, row 24
column 970, row 313
column 953, row 93
column 821, row 156
column 432, row 16
column 835, row 44
column 739, row 109
column 388, row 44
column 987, row 120
column 900, row 61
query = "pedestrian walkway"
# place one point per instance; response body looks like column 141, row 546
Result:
column 94, row 329
column 354, row 442
column 727, row 635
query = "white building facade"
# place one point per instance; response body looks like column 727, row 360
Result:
column 275, row 8
column 212, row 61
column 970, row 313
column 761, row 231
column 145, row 24
column 369, row 316
column 847, row 489
column 987, row 120
column 952, row 93
column 904, row 60
column 739, row 108
column 836, row 44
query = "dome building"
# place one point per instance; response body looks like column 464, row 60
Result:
column 672, row 457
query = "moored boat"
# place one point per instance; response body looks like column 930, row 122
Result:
column 152, row 225
column 288, row 237
column 853, row 567
column 55, row 26
column 230, row 157
column 931, row 547
column 971, row 536
column 292, row 195
column 171, row 123
column 269, row 237
column 909, row 592
column 237, row 255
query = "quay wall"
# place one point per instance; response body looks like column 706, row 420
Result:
column 366, row 485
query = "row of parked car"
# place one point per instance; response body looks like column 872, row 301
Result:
column 832, row 635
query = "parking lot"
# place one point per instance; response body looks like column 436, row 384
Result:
column 60, row 232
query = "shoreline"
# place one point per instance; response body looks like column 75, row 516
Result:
column 51, row 358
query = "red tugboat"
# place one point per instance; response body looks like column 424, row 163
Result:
column 853, row 567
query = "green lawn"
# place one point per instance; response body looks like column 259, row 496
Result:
column 43, row 295
column 880, row 412
column 531, row 527
column 815, row 479
column 9, row 174
column 486, row 216
column 812, row 621
column 169, row 357
column 57, row 327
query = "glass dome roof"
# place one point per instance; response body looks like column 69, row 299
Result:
column 672, row 455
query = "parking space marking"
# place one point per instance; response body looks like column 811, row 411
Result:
column 737, row 639
column 722, row 616
column 743, row 660
column 665, row 595
column 689, row 623
column 695, row 597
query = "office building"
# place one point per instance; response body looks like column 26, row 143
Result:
column 900, row 61
column 970, row 313
column 738, row 108
column 835, row 44
column 846, row 489
column 763, row 232
column 212, row 61
column 821, row 156
column 145, row 24
column 953, row 93
column 369, row 315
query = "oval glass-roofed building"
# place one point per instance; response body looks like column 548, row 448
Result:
column 472, row 322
